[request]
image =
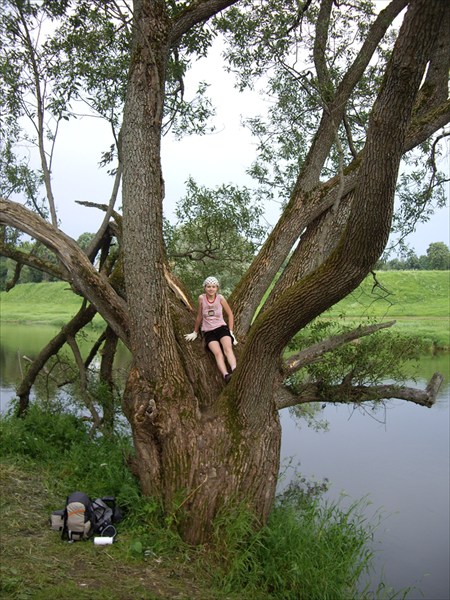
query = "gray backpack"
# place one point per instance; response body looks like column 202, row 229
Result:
column 83, row 518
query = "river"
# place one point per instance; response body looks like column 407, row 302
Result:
column 397, row 458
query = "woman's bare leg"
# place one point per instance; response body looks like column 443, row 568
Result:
column 227, row 346
column 216, row 349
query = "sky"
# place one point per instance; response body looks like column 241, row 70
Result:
column 212, row 160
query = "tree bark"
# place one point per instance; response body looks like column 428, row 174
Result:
column 193, row 448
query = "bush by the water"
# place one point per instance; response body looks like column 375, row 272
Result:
column 308, row 549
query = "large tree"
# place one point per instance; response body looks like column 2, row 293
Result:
column 199, row 444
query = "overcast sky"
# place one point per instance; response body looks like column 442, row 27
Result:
column 221, row 157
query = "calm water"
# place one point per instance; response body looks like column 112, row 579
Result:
column 398, row 458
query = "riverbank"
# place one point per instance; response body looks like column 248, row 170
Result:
column 419, row 302
column 307, row 550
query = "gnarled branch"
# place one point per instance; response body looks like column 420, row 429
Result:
column 348, row 394
column 84, row 277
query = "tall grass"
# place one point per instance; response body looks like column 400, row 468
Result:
column 309, row 550
column 61, row 444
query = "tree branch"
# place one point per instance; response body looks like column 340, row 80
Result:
column 82, row 318
column 313, row 353
column 320, row 45
column 246, row 297
column 197, row 12
column 345, row 394
column 71, row 341
column 23, row 258
column 334, row 112
column 96, row 240
column 369, row 222
column 84, row 277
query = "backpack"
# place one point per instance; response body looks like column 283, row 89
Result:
column 83, row 518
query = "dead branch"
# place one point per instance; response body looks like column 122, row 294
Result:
column 71, row 341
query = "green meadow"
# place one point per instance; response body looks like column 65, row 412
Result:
column 419, row 302
column 47, row 303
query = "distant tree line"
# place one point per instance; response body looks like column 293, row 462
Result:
column 437, row 258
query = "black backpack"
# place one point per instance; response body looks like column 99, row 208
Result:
column 83, row 518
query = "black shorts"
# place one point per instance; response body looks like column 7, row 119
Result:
column 215, row 335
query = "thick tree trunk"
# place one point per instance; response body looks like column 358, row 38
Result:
column 200, row 445
column 193, row 449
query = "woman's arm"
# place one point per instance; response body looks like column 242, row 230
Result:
column 229, row 313
column 199, row 319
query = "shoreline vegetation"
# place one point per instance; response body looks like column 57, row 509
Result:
column 419, row 302
column 309, row 549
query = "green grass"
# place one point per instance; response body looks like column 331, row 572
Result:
column 423, row 294
column 308, row 551
column 50, row 303
column 418, row 300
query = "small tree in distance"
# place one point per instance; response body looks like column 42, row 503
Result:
column 438, row 255
column 361, row 98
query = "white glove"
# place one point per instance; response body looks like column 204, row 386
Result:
column 190, row 337
column 233, row 338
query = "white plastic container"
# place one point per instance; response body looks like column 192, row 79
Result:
column 103, row 541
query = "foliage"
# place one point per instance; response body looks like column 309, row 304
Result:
column 85, row 239
column 59, row 58
column 420, row 190
column 43, row 436
column 368, row 361
column 217, row 232
column 438, row 255
column 437, row 258
column 309, row 549
column 62, row 443
column 270, row 47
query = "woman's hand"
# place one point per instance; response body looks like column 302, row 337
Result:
column 190, row 337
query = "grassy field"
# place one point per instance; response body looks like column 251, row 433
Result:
column 50, row 303
column 418, row 300
column 400, row 294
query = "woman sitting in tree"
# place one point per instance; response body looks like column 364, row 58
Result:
column 218, row 335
